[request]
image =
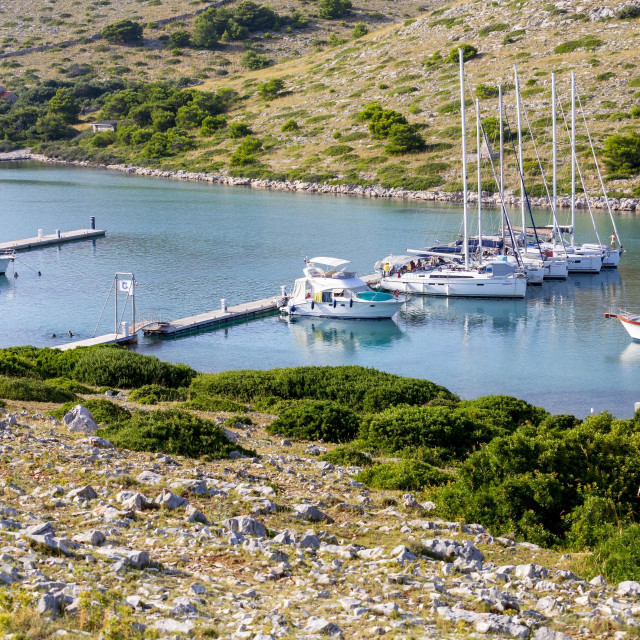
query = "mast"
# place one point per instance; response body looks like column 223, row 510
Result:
column 555, row 147
column 519, row 117
column 501, row 186
column 464, row 161
column 479, row 143
column 573, row 158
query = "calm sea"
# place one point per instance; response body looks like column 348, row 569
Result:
column 190, row 245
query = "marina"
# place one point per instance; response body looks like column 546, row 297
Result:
column 473, row 346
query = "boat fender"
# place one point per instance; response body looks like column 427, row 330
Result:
column 313, row 304
column 292, row 309
column 334, row 304
column 351, row 303
column 396, row 293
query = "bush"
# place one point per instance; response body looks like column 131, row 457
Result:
column 271, row 89
column 103, row 139
column 332, row 9
column 484, row 91
column 359, row 29
column 202, row 402
column 316, row 420
column 618, row 557
column 174, row 432
column 103, row 411
column 154, row 393
column 180, row 38
column 406, row 475
column 359, row 388
column 347, row 456
column 492, row 28
column 585, row 42
column 246, row 153
column 628, row 12
column 404, row 138
column 468, row 52
column 123, row 31
column 70, row 385
column 65, row 105
column 211, row 124
column 290, row 125
column 253, row 61
column 239, row 130
column 516, row 411
column 31, row 390
column 622, row 152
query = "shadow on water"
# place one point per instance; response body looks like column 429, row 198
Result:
column 347, row 335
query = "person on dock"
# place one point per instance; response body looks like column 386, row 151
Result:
column 15, row 274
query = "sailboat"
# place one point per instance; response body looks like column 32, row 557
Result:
column 630, row 321
column 442, row 273
column 6, row 258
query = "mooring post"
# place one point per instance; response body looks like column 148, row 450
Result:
column 92, row 222
column 223, row 304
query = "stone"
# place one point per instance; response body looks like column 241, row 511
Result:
column 184, row 607
column 55, row 544
column 322, row 626
column 544, row 633
column 93, row 537
column 83, row 493
column 40, row 529
column 246, row 525
column 198, row 589
column 80, row 420
column 598, row 581
column 135, row 501
column 193, row 515
column 168, row 625
column 101, row 443
column 628, row 588
column 149, row 477
column 523, row 571
column 170, row 500
column 309, row 541
column 311, row 513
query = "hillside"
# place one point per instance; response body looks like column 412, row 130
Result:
column 329, row 77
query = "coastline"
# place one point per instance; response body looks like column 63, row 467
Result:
column 620, row 205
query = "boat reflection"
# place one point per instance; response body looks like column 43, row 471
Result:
column 630, row 355
column 349, row 335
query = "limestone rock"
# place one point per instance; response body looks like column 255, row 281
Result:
column 80, row 420
column 246, row 525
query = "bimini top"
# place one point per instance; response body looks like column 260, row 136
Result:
column 329, row 262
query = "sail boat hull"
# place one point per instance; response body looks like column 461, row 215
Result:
column 611, row 258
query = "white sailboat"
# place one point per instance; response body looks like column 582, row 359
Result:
column 444, row 274
column 6, row 258
column 327, row 290
column 630, row 321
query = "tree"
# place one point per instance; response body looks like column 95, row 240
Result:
column 360, row 29
column 271, row 89
column 622, row 153
column 332, row 9
column 403, row 138
column 190, row 116
column 255, row 17
column 211, row 124
column 180, row 38
column 246, row 153
column 162, row 119
column 123, row 31
column 253, row 60
column 64, row 105
column 208, row 27
column 468, row 52
column 381, row 122
column 103, row 139
column 239, row 130
column 52, row 126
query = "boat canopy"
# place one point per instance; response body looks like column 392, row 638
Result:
column 394, row 261
column 329, row 262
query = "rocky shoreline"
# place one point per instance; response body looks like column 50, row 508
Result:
column 620, row 205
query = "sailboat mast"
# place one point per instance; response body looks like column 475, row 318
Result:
column 479, row 143
column 573, row 158
column 519, row 117
column 501, row 186
column 554, row 145
column 464, row 161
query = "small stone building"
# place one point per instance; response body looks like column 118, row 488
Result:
column 104, row 125
column 7, row 95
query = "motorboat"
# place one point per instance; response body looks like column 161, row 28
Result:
column 630, row 321
column 6, row 258
column 328, row 290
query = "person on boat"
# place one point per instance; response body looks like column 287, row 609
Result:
column 613, row 240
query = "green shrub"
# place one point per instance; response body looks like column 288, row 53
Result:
column 103, row 411
column 211, row 124
column 635, row 111
column 154, row 393
column 70, row 385
column 517, row 412
column 359, row 388
column 359, row 29
column 484, row 91
column 123, row 31
column 618, row 557
column 271, row 88
column 337, row 150
column 491, row 28
column 180, row 38
column 404, row 138
column 406, row 475
column 31, row 390
column 316, row 420
column 513, row 36
column 622, row 152
column 468, row 52
column 607, row 75
column 201, row 402
column 347, row 456
column 174, row 432
column 290, row 125
column 628, row 12
column 332, row 9
column 239, row 130
column 253, row 61
column 246, row 153
column 103, row 139
column 584, row 42
column 634, row 82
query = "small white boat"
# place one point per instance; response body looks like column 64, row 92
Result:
column 329, row 291
column 611, row 258
column 630, row 321
column 6, row 258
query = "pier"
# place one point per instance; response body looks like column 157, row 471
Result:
column 109, row 338
column 58, row 237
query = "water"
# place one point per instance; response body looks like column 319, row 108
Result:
column 190, row 245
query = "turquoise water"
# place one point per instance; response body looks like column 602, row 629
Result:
column 190, row 245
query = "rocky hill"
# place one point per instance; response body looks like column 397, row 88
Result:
column 98, row 541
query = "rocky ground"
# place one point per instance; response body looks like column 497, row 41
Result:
column 101, row 542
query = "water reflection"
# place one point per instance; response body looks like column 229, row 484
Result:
column 348, row 336
column 630, row 355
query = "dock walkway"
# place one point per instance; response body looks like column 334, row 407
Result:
column 51, row 239
column 109, row 338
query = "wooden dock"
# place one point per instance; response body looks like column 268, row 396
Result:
column 51, row 239
column 216, row 318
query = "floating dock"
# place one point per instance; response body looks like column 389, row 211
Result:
column 109, row 338
column 54, row 238
column 218, row 318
